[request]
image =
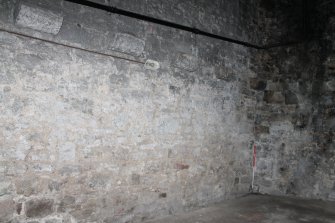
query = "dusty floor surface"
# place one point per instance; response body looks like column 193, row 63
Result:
column 260, row 209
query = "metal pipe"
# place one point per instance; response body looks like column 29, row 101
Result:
column 176, row 25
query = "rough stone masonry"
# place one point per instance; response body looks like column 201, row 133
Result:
column 87, row 137
column 294, row 124
column 91, row 138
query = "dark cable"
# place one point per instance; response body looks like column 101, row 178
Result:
column 161, row 22
column 70, row 46
column 176, row 25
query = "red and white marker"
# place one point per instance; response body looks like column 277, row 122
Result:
column 253, row 166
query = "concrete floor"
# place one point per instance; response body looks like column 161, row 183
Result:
column 260, row 209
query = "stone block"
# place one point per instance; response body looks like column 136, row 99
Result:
column 168, row 125
column 273, row 85
column 66, row 203
column 162, row 195
column 54, row 186
column 257, row 84
column 7, row 78
column 30, row 61
column 18, row 208
column 98, row 181
column 15, row 169
column 83, row 105
column 128, row 44
column 291, row 98
column 5, row 187
column 226, row 74
column 245, row 128
column 7, row 208
column 331, row 196
column 245, row 180
column 329, row 85
column 330, row 62
column 87, row 211
column 300, row 121
column 39, row 208
column 265, row 183
column 26, row 186
column 120, row 79
column 186, row 62
column 39, row 19
column 182, row 166
column 43, row 167
column 237, row 180
column 260, row 129
column 135, row 179
column 67, row 152
column 70, row 170
column 273, row 97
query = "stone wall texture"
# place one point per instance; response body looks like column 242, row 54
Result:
column 92, row 138
column 294, row 125
column 88, row 137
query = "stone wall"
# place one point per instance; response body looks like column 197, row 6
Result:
column 88, row 137
column 88, row 134
column 294, row 125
